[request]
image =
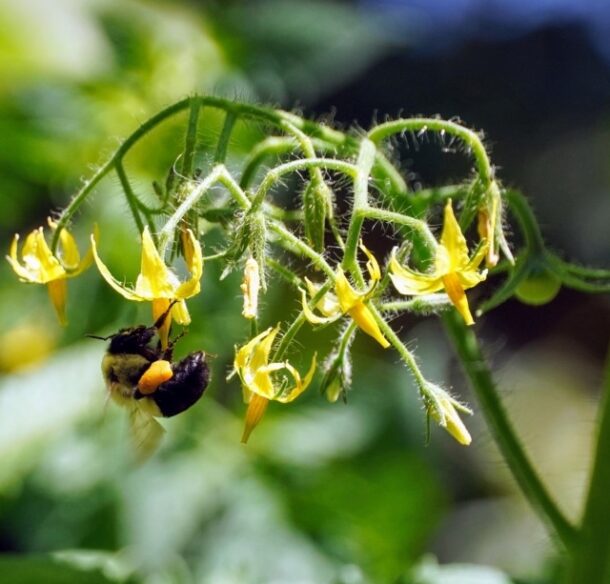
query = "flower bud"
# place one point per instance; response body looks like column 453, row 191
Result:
column 250, row 287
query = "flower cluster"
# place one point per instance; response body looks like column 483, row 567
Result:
column 340, row 282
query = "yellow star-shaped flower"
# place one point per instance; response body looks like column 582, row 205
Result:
column 39, row 265
column 453, row 270
column 158, row 284
column 348, row 301
column 256, row 375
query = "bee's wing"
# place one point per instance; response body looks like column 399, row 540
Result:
column 146, row 432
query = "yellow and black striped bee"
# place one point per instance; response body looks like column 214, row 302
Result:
column 141, row 377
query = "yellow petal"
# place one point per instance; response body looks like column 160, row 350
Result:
column 300, row 385
column 105, row 272
column 372, row 265
column 477, row 258
column 58, row 292
column 409, row 282
column 87, row 259
column 193, row 257
column 155, row 280
column 456, row 294
column 68, row 250
column 12, row 259
column 328, row 305
column 311, row 316
column 180, row 313
column 39, row 265
column 160, row 307
column 256, row 409
column 346, row 295
column 453, row 239
column 260, row 355
column 364, row 318
column 253, row 356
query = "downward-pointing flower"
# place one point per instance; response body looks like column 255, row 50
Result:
column 158, row 284
column 348, row 301
column 453, row 270
column 257, row 378
column 40, row 266
column 444, row 409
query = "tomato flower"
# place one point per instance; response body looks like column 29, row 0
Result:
column 348, row 301
column 453, row 270
column 158, row 284
column 39, row 265
column 256, row 375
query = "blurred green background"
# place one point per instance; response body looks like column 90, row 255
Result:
column 323, row 493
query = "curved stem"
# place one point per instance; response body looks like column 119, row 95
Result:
column 470, row 138
column 474, row 364
column 392, row 217
column 274, row 175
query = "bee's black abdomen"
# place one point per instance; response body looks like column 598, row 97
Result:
column 191, row 377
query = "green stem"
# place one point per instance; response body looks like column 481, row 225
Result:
column 299, row 246
column 298, row 322
column 470, row 138
column 218, row 174
column 364, row 164
column 186, row 168
column 473, row 361
column 275, row 174
column 130, row 196
column 392, row 217
column 527, row 221
column 405, row 354
column 222, row 146
column 590, row 561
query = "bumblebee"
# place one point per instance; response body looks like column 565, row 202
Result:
column 141, row 377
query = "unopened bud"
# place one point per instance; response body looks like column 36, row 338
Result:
column 250, row 287
column 444, row 410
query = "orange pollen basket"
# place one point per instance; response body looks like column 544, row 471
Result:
column 158, row 372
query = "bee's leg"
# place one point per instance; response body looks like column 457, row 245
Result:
column 169, row 352
column 159, row 322
column 191, row 377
